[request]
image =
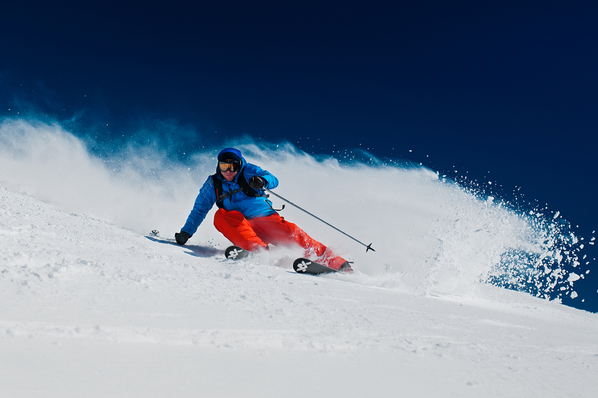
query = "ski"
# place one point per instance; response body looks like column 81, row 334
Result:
column 236, row 252
column 155, row 236
column 306, row 266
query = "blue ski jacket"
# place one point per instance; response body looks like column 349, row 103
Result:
column 249, row 206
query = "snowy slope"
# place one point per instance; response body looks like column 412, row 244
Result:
column 89, row 306
column 92, row 309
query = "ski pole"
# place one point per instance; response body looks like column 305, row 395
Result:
column 367, row 247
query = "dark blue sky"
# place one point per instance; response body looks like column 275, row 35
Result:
column 501, row 91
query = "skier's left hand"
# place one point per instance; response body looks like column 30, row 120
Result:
column 256, row 182
column 181, row 237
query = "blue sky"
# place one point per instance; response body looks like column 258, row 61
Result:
column 496, row 91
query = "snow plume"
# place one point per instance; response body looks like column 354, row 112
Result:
column 431, row 235
column 130, row 188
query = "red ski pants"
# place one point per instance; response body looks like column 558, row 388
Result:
column 256, row 233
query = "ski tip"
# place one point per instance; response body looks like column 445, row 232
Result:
column 235, row 252
column 346, row 267
column 369, row 247
column 301, row 265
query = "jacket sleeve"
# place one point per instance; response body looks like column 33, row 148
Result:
column 203, row 203
column 251, row 170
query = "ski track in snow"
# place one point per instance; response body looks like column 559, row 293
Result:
column 87, row 305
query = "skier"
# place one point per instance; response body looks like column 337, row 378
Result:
column 245, row 215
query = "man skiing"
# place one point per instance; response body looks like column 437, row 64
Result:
column 245, row 215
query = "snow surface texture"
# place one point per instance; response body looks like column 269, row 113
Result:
column 91, row 307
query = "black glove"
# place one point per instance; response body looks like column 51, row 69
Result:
column 182, row 237
column 256, row 182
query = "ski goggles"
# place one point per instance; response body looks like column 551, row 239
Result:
column 229, row 166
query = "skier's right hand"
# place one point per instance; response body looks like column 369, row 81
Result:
column 182, row 237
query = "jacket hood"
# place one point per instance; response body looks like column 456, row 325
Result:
column 230, row 153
